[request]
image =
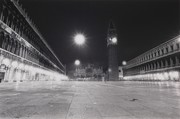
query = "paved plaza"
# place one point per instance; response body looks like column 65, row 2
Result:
column 90, row 100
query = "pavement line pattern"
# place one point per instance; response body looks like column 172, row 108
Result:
column 90, row 100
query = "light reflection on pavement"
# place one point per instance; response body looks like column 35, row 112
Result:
column 90, row 100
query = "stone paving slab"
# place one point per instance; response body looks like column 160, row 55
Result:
column 90, row 100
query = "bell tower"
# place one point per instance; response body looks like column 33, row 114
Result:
column 112, row 42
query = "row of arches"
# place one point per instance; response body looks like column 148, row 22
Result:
column 15, row 47
column 16, row 70
column 159, row 64
column 12, row 18
column 161, row 51
column 19, row 25
column 171, row 61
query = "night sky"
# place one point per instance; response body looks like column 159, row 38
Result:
column 141, row 25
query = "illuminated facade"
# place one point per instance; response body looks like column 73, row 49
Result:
column 24, row 54
column 89, row 71
column 113, row 73
column 159, row 63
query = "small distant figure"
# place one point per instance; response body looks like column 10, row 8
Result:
column 103, row 79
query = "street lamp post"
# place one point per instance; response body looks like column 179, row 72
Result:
column 79, row 39
column 76, row 63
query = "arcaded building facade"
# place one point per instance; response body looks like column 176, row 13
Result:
column 24, row 53
column 159, row 63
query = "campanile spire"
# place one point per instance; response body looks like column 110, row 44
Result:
column 112, row 42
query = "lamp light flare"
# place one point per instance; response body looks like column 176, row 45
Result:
column 79, row 39
column 21, row 66
column 6, row 61
column 114, row 40
column 77, row 62
column 124, row 62
column 14, row 64
column 172, row 75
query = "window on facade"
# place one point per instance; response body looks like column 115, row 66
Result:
column 1, row 38
column 5, row 43
column 1, row 9
column 5, row 16
column 172, row 48
column 158, row 52
column 154, row 54
column 162, row 51
column 9, row 44
column 151, row 55
column 166, row 49
column 177, row 45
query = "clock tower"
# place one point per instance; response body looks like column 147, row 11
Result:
column 112, row 42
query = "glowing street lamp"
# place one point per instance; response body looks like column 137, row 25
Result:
column 124, row 62
column 109, row 70
column 79, row 39
column 114, row 40
column 77, row 62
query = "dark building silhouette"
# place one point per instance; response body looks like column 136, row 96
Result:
column 112, row 42
column 91, row 71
